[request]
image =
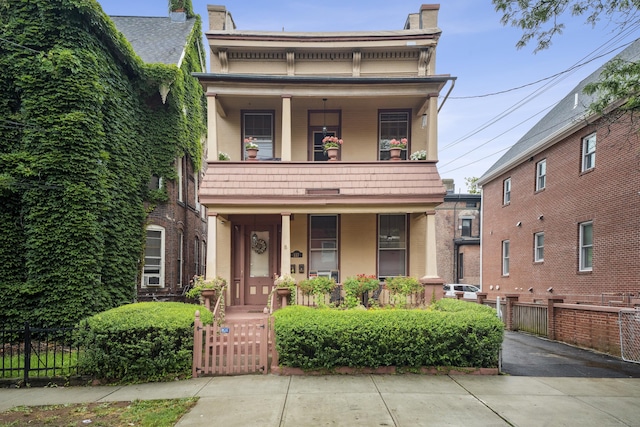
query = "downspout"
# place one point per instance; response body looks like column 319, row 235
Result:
column 453, row 83
column 455, row 244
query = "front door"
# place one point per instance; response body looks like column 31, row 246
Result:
column 258, row 279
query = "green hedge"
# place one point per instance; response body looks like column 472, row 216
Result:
column 149, row 341
column 449, row 333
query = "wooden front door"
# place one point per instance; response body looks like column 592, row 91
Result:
column 259, row 253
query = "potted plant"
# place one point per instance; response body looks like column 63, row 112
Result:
column 396, row 146
column 419, row 155
column 355, row 288
column 331, row 144
column 319, row 287
column 285, row 286
column 223, row 156
column 251, row 148
column 202, row 289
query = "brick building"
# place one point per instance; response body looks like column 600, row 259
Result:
column 458, row 237
column 561, row 208
column 176, row 231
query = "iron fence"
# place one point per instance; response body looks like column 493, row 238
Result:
column 32, row 352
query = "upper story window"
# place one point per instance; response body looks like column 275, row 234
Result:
column 466, row 227
column 393, row 125
column 180, row 173
column 586, row 246
column 541, row 175
column 506, row 191
column 538, row 247
column 589, row 152
column 505, row 257
column 258, row 126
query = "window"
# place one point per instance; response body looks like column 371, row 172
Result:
column 203, row 256
column 392, row 124
column 466, row 227
column 392, row 246
column 259, row 127
column 586, row 246
column 180, row 182
column 589, row 152
column 505, row 257
column 460, row 266
column 538, row 247
column 196, row 257
column 180, row 257
column 506, row 186
column 323, row 245
column 541, row 175
column 318, row 147
column 155, row 182
column 153, row 270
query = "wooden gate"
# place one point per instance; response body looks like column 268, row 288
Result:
column 238, row 347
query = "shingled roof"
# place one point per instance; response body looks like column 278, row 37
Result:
column 565, row 115
column 156, row 39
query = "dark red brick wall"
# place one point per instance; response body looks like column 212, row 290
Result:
column 178, row 216
column 592, row 328
column 607, row 195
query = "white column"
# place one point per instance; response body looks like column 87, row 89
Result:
column 285, row 248
column 432, row 142
column 285, row 154
column 212, row 128
column 212, row 247
column 430, row 247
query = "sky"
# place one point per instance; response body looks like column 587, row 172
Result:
column 500, row 91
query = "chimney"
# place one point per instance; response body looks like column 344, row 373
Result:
column 177, row 12
column 429, row 15
column 220, row 18
column 413, row 22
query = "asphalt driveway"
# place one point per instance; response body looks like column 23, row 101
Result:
column 531, row 356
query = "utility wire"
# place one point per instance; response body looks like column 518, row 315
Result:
column 19, row 45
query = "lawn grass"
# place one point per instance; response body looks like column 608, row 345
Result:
column 47, row 364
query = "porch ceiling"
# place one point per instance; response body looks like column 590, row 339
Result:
column 337, row 187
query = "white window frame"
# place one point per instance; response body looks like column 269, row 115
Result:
column 541, row 175
column 538, row 247
column 148, row 278
column 506, row 191
column 588, row 153
column 586, row 248
column 401, row 247
column 203, row 258
column 180, row 179
column 196, row 256
column 505, row 257
column 328, row 248
column 180, row 257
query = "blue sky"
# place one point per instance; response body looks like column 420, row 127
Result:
column 474, row 47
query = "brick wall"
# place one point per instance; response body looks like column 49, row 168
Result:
column 591, row 327
column 606, row 195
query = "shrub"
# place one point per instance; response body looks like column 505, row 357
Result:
column 455, row 335
column 141, row 342
column 400, row 287
column 319, row 287
column 355, row 287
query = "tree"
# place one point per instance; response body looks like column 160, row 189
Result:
column 542, row 20
column 472, row 186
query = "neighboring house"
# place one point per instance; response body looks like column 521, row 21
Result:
column 176, row 231
column 560, row 208
column 292, row 210
column 458, row 237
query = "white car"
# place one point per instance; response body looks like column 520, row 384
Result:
column 469, row 290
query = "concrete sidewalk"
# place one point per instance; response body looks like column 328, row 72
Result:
column 374, row 400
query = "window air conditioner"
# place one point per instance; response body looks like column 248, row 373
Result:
column 152, row 281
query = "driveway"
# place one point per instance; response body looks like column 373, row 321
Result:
column 528, row 355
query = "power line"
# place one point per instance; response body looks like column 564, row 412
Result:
column 19, row 45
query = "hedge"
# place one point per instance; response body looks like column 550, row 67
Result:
column 450, row 333
column 141, row 342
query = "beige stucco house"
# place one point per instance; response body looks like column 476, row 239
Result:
column 293, row 210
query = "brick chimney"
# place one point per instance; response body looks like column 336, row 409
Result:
column 220, row 18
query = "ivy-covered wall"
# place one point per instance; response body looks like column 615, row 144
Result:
column 82, row 130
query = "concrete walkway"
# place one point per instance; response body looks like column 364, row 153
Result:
column 375, row 400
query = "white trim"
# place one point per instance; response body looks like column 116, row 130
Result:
column 155, row 279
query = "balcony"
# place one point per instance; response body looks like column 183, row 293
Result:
column 303, row 187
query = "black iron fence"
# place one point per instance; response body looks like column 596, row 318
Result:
column 43, row 353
